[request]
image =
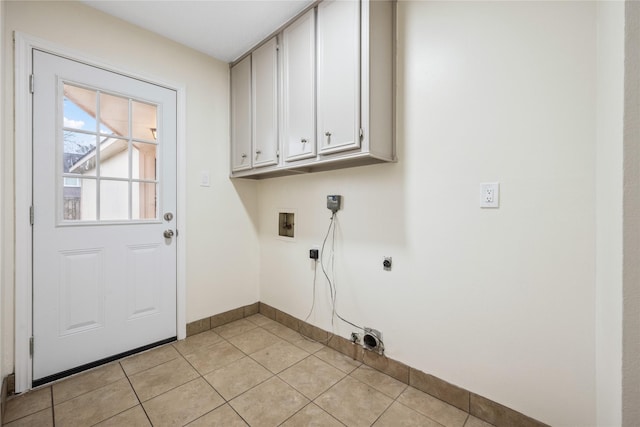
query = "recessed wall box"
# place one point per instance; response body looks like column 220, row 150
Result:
column 286, row 224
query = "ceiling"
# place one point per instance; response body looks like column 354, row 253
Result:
column 224, row 29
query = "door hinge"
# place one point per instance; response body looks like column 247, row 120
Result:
column 31, row 347
column 31, row 83
column 31, row 215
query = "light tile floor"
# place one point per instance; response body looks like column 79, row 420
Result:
column 252, row 372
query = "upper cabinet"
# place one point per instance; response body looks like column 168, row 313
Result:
column 338, row 52
column 241, row 115
column 264, row 91
column 321, row 92
column 299, row 88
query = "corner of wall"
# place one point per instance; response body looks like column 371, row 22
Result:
column 2, row 197
column 609, row 212
column 631, row 220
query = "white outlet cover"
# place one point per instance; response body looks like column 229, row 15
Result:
column 490, row 195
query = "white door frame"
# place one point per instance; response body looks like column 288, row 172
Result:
column 24, row 44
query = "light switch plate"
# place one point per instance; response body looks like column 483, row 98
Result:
column 204, row 179
column 490, row 195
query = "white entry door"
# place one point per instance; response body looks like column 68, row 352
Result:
column 104, row 199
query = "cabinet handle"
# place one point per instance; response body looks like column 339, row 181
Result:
column 303, row 140
column 258, row 152
column 328, row 135
column 244, row 155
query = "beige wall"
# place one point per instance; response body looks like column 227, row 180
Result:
column 500, row 302
column 222, row 248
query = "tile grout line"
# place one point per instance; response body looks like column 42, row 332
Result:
column 53, row 409
column 136, row 393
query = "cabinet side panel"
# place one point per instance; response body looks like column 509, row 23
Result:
column 381, row 90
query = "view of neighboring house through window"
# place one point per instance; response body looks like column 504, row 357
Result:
column 110, row 146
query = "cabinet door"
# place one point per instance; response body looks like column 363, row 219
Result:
column 264, row 64
column 338, row 75
column 298, row 77
column 241, row 115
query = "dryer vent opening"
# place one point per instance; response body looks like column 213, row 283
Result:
column 372, row 340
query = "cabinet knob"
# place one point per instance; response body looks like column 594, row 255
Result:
column 244, row 155
column 258, row 152
column 327, row 134
column 304, row 140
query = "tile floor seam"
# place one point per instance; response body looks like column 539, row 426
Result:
column 53, row 410
column 238, row 414
column 303, row 408
column 166, row 391
column 382, row 413
column 426, row 416
column 247, row 390
column 150, row 367
column 137, row 397
column 202, row 375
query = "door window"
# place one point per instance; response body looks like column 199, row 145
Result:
column 109, row 153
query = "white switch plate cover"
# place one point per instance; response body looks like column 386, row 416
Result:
column 490, row 195
column 204, row 179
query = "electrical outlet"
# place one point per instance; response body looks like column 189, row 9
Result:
column 489, row 195
column 356, row 338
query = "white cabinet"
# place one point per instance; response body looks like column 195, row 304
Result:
column 298, row 89
column 264, row 90
column 254, row 109
column 241, row 115
column 337, row 92
column 338, row 75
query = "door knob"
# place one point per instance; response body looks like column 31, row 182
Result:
column 168, row 234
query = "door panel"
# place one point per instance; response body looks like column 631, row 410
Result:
column 104, row 173
column 81, row 295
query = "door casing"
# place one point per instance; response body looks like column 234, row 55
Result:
column 24, row 45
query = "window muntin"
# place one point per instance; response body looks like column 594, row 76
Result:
column 109, row 150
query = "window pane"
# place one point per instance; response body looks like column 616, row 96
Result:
column 71, row 182
column 144, row 201
column 79, row 108
column 114, row 200
column 144, row 120
column 114, row 158
column 144, row 161
column 79, row 202
column 114, row 115
column 78, row 153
